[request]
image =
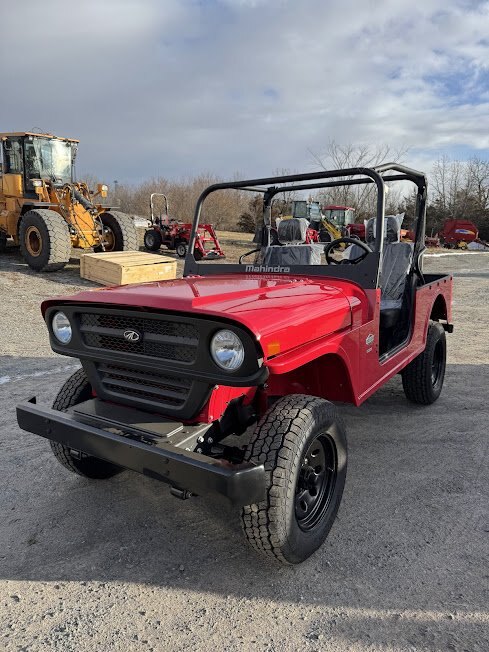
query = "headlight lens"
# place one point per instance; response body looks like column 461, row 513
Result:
column 227, row 350
column 61, row 328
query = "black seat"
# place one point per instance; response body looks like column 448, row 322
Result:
column 396, row 264
column 293, row 231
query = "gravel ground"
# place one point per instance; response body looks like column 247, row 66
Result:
column 121, row 565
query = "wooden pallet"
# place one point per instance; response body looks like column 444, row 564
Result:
column 122, row 267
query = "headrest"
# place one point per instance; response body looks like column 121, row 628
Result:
column 293, row 230
column 392, row 228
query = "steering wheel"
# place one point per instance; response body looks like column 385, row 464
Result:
column 248, row 253
column 331, row 246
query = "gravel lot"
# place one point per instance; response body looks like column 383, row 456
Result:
column 121, row 565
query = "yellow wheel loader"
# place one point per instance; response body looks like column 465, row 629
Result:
column 45, row 211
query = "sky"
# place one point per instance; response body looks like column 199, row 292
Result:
column 175, row 88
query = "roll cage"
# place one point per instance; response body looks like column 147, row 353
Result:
column 365, row 273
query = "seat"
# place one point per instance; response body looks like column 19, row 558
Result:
column 287, row 255
column 396, row 264
column 293, row 231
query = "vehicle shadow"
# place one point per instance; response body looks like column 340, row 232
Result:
column 409, row 542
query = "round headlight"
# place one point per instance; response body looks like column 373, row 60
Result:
column 61, row 328
column 227, row 350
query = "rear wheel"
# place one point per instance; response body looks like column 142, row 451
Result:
column 301, row 441
column 120, row 232
column 45, row 241
column 423, row 378
column 152, row 240
column 76, row 390
column 3, row 242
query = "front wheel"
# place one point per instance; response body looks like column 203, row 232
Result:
column 152, row 240
column 301, row 441
column 76, row 390
column 422, row 379
column 45, row 241
column 181, row 249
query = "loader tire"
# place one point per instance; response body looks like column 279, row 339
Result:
column 45, row 241
column 301, row 441
column 422, row 379
column 76, row 390
column 121, row 232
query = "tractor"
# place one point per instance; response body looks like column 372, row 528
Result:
column 175, row 235
column 45, row 211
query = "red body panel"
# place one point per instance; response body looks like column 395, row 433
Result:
column 318, row 335
column 455, row 231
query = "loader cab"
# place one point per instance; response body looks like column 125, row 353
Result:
column 29, row 157
column 339, row 215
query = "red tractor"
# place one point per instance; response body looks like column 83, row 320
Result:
column 226, row 381
column 175, row 235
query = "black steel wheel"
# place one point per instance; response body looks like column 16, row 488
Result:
column 152, row 240
column 423, row 378
column 301, row 441
column 315, row 484
column 76, row 390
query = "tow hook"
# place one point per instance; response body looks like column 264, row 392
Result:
column 183, row 494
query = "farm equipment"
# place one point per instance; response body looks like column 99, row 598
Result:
column 45, row 211
column 321, row 229
column 175, row 235
column 177, row 374
column 456, row 234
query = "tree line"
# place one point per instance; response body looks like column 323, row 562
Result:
column 456, row 189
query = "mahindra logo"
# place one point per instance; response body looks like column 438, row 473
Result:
column 132, row 336
column 266, row 268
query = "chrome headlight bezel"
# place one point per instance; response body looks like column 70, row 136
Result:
column 61, row 327
column 227, row 350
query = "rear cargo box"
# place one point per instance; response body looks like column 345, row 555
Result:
column 122, row 267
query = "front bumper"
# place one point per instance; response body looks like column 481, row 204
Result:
column 242, row 484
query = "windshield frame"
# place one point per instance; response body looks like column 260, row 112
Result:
column 365, row 273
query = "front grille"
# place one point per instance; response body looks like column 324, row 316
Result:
column 161, row 389
column 160, row 338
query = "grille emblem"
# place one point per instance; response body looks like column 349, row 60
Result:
column 132, row 336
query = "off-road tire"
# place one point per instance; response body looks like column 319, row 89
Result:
column 76, row 390
column 422, row 379
column 124, row 232
column 181, row 249
column 53, row 234
column 152, row 240
column 281, row 439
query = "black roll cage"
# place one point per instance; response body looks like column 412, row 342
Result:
column 365, row 273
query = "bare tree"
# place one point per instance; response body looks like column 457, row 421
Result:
column 361, row 197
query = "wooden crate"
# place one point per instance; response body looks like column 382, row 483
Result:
column 122, row 267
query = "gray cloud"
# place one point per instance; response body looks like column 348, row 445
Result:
column 173, row 88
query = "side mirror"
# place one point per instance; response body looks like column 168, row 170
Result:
column 102, row 189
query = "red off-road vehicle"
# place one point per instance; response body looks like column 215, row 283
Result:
column 176, row 372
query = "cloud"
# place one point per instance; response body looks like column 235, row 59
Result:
column 176, row 87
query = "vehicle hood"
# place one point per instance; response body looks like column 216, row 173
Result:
column 277, row 309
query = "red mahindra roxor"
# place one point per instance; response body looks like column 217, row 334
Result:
column 175, row 372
